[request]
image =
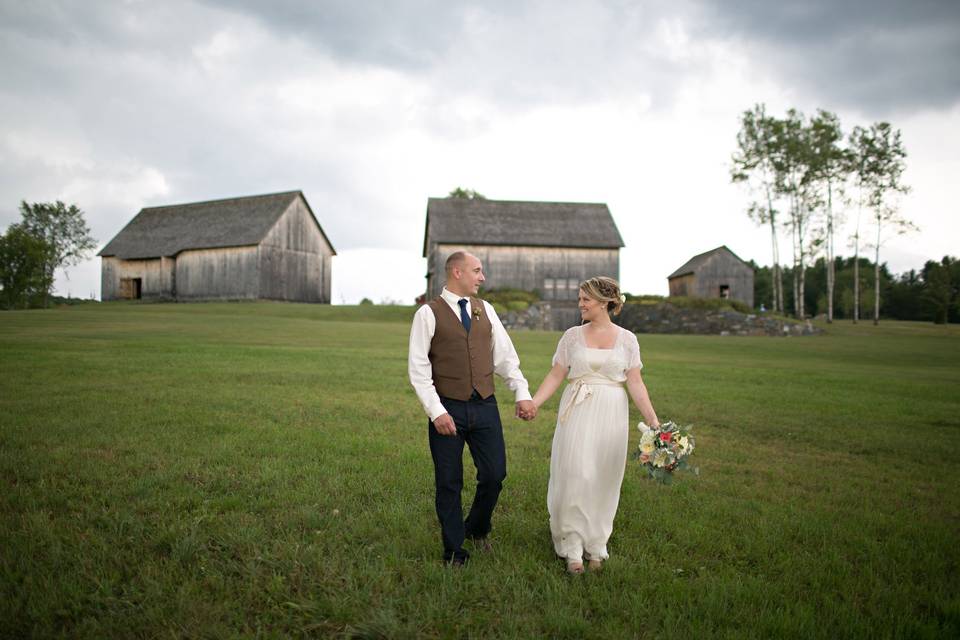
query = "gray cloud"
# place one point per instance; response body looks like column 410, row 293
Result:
column 406, row 35
column 514, row 54
column 876, row 56
column 124, row 105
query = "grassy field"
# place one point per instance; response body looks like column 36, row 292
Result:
column 224, row 470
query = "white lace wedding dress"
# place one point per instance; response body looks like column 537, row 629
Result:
column 589, row 444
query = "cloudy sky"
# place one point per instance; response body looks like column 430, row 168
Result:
column 371, row 106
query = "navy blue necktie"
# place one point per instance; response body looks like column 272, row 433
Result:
column 464, row 316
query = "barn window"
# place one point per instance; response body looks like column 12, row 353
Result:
column 724, row 291
column 573, row 288
column 548, row 284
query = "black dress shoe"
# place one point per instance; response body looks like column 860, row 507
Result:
column 455, row 562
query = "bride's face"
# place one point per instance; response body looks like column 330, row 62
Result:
column 590, row 309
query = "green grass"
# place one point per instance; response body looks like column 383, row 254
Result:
column 258, row 469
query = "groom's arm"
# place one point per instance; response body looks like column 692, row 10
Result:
column 506, row 362
column 418, row 362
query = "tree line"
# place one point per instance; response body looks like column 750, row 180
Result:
column 49, row 236
column 930, row 294
column 811, row 182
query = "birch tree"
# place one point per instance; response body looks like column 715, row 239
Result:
column 793, row 181
column 753, row 165
column 830, row 168
column 863, row 162
column 885, row 189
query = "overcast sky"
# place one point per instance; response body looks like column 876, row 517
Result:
column 371, row 107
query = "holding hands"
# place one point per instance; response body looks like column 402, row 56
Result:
column 526, row 410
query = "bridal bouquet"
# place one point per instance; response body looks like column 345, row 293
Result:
column 665, row 449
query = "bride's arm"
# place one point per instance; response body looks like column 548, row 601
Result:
column 638, row 391
column 549, row 384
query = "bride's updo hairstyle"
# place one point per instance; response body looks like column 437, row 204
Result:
column 604, row 289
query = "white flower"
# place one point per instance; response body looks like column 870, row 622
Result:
column 623, row 298
column 661, row 458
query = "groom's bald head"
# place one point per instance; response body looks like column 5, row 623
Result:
column 464, row 273
column 457, row 260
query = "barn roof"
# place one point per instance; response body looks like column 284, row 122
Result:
column 232, row 222
column 507, row 222
column 697, row 261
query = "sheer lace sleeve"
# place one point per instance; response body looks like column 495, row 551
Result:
column 562, row 356
column 633, row 352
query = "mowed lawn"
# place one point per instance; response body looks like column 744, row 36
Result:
column 262, row 470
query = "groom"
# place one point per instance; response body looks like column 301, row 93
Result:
column 457, row 343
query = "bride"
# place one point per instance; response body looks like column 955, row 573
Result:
column 590, row 442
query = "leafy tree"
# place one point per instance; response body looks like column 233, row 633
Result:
column 881, row 161
column 830, row 166
column 753, row 165
column 23, row 267
column 942, row 290
column 904, row 298
column 63, row 229
column 466, row 194
column 762, row 286
column 791, row 162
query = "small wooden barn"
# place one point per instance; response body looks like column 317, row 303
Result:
column 548, row 247
column 718, row 273
column 267, row 246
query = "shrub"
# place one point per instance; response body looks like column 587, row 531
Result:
column 504, row 297
column 685, row 302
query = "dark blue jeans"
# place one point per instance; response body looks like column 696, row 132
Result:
column 478, row 425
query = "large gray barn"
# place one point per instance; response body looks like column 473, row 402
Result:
column 718, row 273
column 268, row 246
column 548, row 247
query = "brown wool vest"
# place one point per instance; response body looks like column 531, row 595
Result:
column 461, row 363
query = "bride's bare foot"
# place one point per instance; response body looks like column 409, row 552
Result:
column 595, row 564
column 574, row 567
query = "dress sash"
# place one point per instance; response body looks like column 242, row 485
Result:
column 582, row 389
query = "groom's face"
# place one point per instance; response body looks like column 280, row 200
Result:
column 470, row 276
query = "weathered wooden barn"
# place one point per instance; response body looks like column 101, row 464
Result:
column 268, row 246
column 718, row 273
column 548, row 247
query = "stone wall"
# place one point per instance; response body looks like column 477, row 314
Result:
column 664, row 317
column 537, row 316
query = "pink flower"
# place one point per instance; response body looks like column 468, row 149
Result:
column 666, row 436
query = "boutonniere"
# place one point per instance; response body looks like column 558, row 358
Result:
column 476, row 313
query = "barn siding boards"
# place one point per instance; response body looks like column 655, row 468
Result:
column 156, row 278
column 530, row 268
column 295, row 258
column 707, row 274
column 682, row 285
column 291, row 275
column 268, row 246
column 218, row 274
column 549, row 247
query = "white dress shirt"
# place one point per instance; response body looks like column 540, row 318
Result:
column 506, row 363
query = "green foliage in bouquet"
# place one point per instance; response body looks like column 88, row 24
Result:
column 665, row 449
